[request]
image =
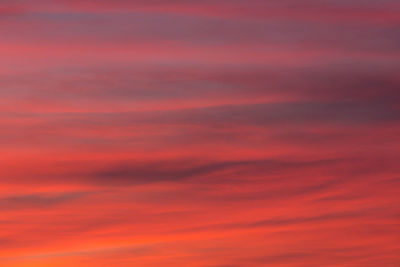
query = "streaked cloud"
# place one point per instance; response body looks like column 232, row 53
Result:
column 207, row 133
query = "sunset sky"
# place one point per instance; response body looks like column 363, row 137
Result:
column 199, row 133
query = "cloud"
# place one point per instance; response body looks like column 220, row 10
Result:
column 176, row 171
column 37, row 201
column 199, row 133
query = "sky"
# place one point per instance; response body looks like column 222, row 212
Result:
column 213, row 133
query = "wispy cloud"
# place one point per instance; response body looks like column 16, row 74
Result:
column 199, row 133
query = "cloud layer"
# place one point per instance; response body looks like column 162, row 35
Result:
column 199, row 133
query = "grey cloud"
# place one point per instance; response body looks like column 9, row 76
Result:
column 37, row 200
column 167, row 171
column 279, row 114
